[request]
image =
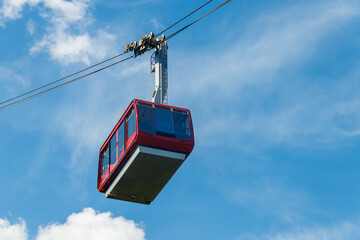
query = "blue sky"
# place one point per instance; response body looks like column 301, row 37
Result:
column 273, row 88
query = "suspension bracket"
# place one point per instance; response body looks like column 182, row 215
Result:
column 146, row 43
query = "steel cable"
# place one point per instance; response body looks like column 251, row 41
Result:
column 172, row 35
column 63, row 78
column 184, row 18
column 13, row 104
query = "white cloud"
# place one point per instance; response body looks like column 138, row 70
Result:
column 266, row 195
column 68, row 48
column 157, row 25
column 9, row 75
column 344, row 231
column 91, row 225
column 141, row 66
column 137, row 3
column 69, row 11
column 31, row 27
column 10, row 231
column 86, row 225
column 11, row 10
column 270, row 42
column 67, row 39
column 11, row 81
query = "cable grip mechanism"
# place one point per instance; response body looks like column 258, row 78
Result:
column 146, row 43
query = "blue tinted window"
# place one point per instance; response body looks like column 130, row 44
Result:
column 164, row 122
column 113, row 149
column 121, row 138
column 146, row 119
column 182, row 125
column 131, row 124
column 105, row 162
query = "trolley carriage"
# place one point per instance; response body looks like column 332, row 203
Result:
column 144, row 150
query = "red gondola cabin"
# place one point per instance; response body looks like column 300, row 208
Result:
column 144, row 150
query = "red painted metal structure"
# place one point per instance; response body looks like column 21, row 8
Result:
column 160, row 128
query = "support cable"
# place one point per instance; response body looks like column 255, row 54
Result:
column 63, row 78
column 172, row 35
column 25, row 99
column 13, row 104
column 183, row 18
column 149, row 41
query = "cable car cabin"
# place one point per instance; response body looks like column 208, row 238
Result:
column 144, row 150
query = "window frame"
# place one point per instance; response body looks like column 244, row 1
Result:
column 104, row 173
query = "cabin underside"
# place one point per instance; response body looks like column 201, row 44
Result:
column 144, row 175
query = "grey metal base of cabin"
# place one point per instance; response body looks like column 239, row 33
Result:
column 144, row 175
